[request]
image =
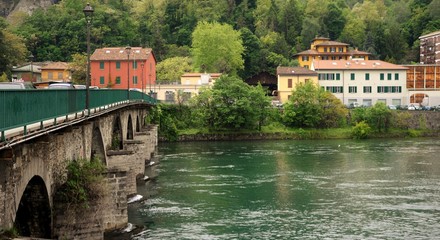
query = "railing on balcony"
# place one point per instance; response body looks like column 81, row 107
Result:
column 21, row 108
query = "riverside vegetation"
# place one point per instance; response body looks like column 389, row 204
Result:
column 233, row 107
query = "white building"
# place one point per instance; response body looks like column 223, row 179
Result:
column 363, row 81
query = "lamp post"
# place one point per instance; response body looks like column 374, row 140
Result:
column 31, row 59
column 88, row 13
column 142, row 67
column 128, row 50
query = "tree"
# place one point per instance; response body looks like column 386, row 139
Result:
column 231, row 104
column 334, row 20
column 379, row 117
column 12, row 48
column 170, row 70
column 78, row 66
column 217, row 48
column 311, row 106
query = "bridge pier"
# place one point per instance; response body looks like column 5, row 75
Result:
column 39, row 167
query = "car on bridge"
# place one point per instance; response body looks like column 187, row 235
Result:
column 16, row 85
column 61, row 86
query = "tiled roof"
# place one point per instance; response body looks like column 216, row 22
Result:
column 355, row 64
column 294, row 71
column 332, row 43
column 119, row 53
column 56, row 65
column 213, row 75
column 309, row 52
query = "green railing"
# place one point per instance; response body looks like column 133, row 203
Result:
column 19, row 108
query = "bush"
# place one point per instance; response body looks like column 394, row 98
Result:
column 361, row 131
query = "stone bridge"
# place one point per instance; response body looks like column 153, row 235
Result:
column 33, row 170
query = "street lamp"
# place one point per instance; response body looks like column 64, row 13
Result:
column 88, row 13
column 31, row 59
column 142, row 67
column 128, row 50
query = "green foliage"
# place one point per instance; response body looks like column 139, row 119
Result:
column 361, row 131
column 4, row 78
column 171, row 69
column 422, row 122
column 414, row 133
column 10, row 233
column 78, row 67
column 231, row 105
column 217, row 48
column 400, row 119
column 85, row 182
column 379, row 117
column 311, row 107
column 168, row 117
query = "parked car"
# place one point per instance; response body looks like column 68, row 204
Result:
column 16, row 85
column 354, row 105
column 392, row 107
column 78, row 86
column 61, row 86
column 411, row 107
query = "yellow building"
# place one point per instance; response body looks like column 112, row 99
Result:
column 56, row 71
column 323, row 49
column 289, row 77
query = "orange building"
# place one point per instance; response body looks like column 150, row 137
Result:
column 423, row 84
column 322, row 48
column 112, row 67
column 56, row 71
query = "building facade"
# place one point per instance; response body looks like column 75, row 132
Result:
column 430, row 48
column 289, row 77
column 323, row 49
column 365, row 82
column 56, row 71
column 423, row 84
column 113, row 67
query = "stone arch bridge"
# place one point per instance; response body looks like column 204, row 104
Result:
column 33, row 167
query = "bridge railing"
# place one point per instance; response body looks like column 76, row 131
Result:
column 20, row 108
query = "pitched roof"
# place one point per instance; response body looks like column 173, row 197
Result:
column 283, row 71
column 56, row 65
column 119, row 53
column 332, row 43
column 355, row 65
column 312, row 52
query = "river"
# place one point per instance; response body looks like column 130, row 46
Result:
column 329, row 189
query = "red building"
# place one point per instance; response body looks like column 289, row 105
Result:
column 111, row 67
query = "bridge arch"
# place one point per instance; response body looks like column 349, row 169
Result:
column 98, row 150
column 33, row 217
column 138, row 126
column 130, row 128
column 421, row 98
column 117, row 139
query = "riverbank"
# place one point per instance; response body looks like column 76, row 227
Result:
column 296, row 134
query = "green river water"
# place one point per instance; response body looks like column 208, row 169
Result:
column 330, row 189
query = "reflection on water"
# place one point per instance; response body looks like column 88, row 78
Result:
column 339, row 189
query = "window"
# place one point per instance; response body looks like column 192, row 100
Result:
column 118, row 80
column 118, row 65
column 325, row 49
column 341, row 49
column 367, row 89
column 338, row 76
column 367, row 102
column 332, row 49
column 135, row 65
column 335, row 89
column 186, row 96
column 289, row 83
column 50, row 75
column 326, row 76
column 352, row 76
column 382, row 76
column 169, row 96
column 389, row 76
column 352, row 89
column 333, row 58
column 101, row 65
column 396, row 76
column 60, row 75
column 305, row 58
column 324, row 57
column 135, row 79
column 101, row 80
column 367, row 76
column 389, row 89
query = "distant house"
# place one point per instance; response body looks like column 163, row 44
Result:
column 363, row 81
column 113, row 67
column 289, row 77
column 322, row 48
column 29, row 72
column 430, row 48
column 56, row 71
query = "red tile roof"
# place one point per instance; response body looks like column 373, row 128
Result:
column 355, row 65
column 292, row 71
column 119, row 53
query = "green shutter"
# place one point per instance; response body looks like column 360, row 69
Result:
column 382, row 76
column 101, row 65
column 101, row 80
column 338, row 76
column 118, row 65
column 396, row 76
column 367, row 76
column 118, row 80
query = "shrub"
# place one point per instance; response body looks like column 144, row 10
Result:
column 361, row 131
